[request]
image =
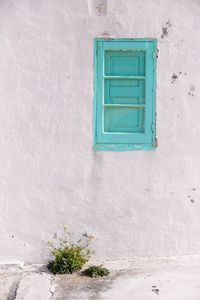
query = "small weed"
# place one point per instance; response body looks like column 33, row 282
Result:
column 69, row 256
column 96, row 271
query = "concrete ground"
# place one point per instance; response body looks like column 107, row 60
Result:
column 176, row 278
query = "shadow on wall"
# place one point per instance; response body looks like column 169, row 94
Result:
column 95, row 179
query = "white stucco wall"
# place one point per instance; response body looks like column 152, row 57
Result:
column 136, row 203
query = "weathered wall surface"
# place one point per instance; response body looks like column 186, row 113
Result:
column 136, row 203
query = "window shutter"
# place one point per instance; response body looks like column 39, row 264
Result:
column 124, row 94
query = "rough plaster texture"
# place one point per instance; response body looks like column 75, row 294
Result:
column 136, row 203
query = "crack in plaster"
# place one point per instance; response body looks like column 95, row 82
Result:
column 52, row 287
column 13, row 291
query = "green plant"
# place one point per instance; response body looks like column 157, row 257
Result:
column 69, row 255
column 96, row 271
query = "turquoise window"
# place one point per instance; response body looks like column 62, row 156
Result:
column 124, row 94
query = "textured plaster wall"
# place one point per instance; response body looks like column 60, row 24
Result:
column 136, row 203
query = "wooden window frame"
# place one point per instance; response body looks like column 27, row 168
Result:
column 104, row 141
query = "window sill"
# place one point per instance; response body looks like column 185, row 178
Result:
column 124, row 147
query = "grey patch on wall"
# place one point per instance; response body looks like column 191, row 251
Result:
column 165, row 29
column 191, row 91
column 97, row 8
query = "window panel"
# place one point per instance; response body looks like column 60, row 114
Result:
column 124, row 91
column 124, row 119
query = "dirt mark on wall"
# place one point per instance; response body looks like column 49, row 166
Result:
column 175, row 76
column 165, row 29
column 191, row 91
column 97, row 7
column 192, row 195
